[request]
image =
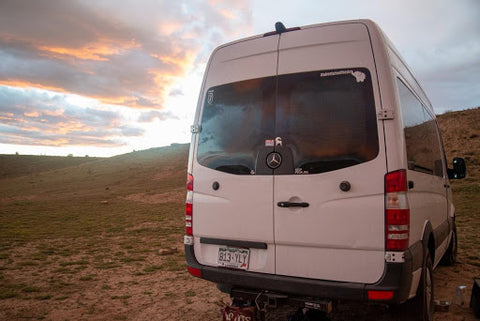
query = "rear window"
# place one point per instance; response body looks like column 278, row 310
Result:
column 317, row 121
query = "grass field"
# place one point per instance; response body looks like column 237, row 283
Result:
column 102, row 239
column 98, row 240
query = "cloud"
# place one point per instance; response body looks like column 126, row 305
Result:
column 149, row 116
column 124, row 58
column 37, row 117
column 126, row 53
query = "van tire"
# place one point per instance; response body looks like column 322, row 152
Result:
column 421, row 307
column 450, row 257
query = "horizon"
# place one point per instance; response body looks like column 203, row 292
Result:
column 165, row 146
column 90, row 156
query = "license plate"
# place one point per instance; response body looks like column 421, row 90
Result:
column 233, row 257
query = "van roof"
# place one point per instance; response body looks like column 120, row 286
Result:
column 371, row 26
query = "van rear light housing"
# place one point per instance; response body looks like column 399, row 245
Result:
column 195, row 272
column 189, row 207
column 380, row 295
column 397, row 211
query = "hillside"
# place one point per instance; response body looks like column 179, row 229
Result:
column 148, row 171
column 21, row 165
column 461, row 136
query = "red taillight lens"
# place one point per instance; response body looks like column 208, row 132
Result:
column 195, row 272
column 397, row 229
column 380, row 295
column 190, row 182
column 188, row 219
column 189, row 207
column 397, row 211
column 396, row 181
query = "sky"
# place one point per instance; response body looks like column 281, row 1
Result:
column 107, row 77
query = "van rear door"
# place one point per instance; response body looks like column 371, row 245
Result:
column 232, row 206
column 328, row 193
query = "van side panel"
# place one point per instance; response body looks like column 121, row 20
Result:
column 428, row 198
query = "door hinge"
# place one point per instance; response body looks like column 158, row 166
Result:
column 195, row 129
column 385, row 114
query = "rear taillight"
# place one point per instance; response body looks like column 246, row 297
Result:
column 380, row 295
column 397, row 211
column 189, row 207
column 188, row 239
column 195, row 272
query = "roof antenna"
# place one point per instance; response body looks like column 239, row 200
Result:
column 279, row 27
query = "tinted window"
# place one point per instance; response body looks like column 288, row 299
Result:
column 325, row 120
column 421, row 136
column 236, row 119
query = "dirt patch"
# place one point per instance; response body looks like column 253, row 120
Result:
column 121, row 281
column 150, row 198
column 7, row 200
column 166, row 173
column 49, row 284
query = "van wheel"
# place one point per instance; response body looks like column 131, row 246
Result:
column 450, row 257
column 421, row 307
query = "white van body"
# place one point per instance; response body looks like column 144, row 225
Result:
column 336, row 109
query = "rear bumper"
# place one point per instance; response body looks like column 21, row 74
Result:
column 397, row 277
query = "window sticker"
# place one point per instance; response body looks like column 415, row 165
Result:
column 210, row 97
column 273, row 142
column 300, row 171
column 359, row 76
column 278, row 141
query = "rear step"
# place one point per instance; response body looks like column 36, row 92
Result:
column 266, row 299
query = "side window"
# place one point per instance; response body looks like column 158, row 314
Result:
column 421, row 134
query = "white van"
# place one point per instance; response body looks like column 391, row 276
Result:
column 317, row 173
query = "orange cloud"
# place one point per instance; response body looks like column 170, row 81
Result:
column 68, row 127
column 98, row 51
column 58, row 142
column 169, row 27
column 28, row 84
column 33, row 114
column 181, row 61
column 227, row 13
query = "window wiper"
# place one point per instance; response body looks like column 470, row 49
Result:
column 234, row 169
column 322, row 166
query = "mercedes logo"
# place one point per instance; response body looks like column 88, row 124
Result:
column 274, row 160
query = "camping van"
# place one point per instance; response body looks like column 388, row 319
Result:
column 317, row 173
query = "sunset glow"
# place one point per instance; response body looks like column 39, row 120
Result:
column 93, row 51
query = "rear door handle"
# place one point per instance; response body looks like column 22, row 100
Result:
column 292, row 204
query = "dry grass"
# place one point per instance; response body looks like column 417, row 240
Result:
column 99, row 240
column 103, row 239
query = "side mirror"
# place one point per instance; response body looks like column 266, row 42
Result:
column 459, row 170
